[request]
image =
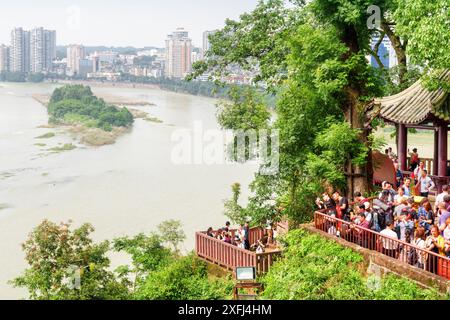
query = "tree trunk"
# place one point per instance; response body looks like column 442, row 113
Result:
column 358, row 177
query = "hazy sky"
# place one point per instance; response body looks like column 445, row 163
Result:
column 119, row 22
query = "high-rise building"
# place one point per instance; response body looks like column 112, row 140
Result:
column 386, row 53
column 206, row 42
column 178, row 54
column 4, row 58
column 75, row 53
column 49, row 49
column 20, row 50
column 37, row 50
column 32, row 51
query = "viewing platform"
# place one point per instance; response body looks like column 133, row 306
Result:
column 424, row 263
column 230, row 256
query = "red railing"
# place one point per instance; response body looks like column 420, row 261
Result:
column 396, row 249
column 230, row 256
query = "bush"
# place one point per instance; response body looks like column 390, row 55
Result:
column 184, row 279
column 314, row 268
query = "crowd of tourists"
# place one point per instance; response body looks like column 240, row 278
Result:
column 395, row 214
column 240, row 237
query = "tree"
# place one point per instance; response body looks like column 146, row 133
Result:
column 232, row 208
column 316, row 63
column 66, row 264
column 147, row 255
column 171, row 232
column 245, row 110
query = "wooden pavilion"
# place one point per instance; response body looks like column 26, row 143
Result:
column 419, row 108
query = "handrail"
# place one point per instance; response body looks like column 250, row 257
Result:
column 392, row 247
column 230, row 256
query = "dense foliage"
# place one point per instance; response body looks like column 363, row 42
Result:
column 66, row 264
column 314, row 268
column 77, row 104
column 60, row 259
column 185, row 279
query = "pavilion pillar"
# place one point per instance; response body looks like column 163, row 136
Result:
column 436, row 153
column 402, row 133
column 443, row 149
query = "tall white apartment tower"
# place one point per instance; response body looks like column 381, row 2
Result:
column 4, row 58
column 43, row 49
column 178, row 54
column 37, row 50
column 75, row 53
column 49, row 49
column 206, row 43
column 20, row 50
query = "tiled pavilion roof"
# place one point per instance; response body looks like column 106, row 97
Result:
column 415, row 104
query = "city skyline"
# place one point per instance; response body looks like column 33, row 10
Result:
column 137, row 23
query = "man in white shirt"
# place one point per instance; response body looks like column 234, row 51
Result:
column 426, row 184
column 440, row 197
column 390, row 247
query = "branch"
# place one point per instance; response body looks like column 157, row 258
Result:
column 376, row 48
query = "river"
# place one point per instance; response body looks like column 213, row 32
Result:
column 122, row 189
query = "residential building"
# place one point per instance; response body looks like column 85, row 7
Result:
column 206, row 42
column 85, row 66
column 75, row 53
column 20, row 50
column 178, row 54
column 42, row 49
column 4, row 58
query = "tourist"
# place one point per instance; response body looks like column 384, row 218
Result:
column 387, row 186
column 426, row 184
column 419, row 241
column 447, row 203
column 359, row 199
column 400, row 197
column 246, row 239
column 328, row 204
column 391, row 154
column 414, row 160
column 399, row 209
column 404, row 225
column 342, row 206
column 425, row 216
column 398, row 174
column 441, row 197
column 407, row 187
column 210, row 232
column 389, row 246
column 359, row 230
column 447, row 238
column 412, row 213
column 384, row 204
column 227, row 226
column 220, row 235
column 444, row 214
column 436, row 244
column 227, row 237
column 419, row 170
